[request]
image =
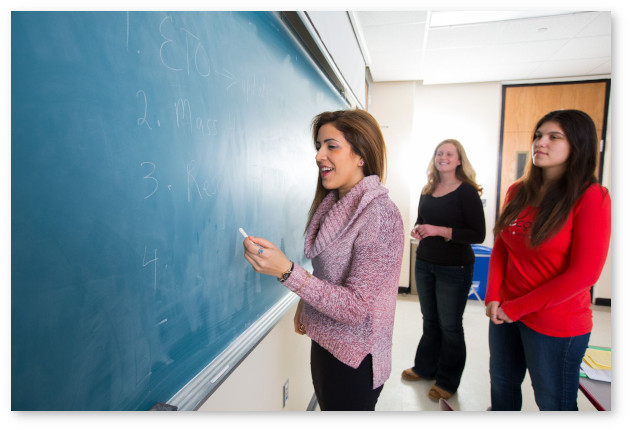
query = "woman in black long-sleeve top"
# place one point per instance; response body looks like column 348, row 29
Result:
column 450, row 218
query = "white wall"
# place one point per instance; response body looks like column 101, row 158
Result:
column 256, row 384
column 470, row 113
column 603, row 287
column 392, row 104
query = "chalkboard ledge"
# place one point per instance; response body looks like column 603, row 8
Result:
column 195, row 392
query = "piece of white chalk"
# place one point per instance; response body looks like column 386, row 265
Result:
column 245, row 235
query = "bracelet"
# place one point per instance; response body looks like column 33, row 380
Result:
column 308, row 275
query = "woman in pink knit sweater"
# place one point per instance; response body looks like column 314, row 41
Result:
column 355, row 238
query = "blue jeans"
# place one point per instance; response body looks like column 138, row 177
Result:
column 443, row 293
column 553, row 364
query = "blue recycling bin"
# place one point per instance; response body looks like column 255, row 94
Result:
column 480, row 274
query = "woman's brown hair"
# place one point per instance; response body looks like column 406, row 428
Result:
column 560, row 195
column 364, row 135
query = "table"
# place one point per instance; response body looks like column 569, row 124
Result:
column 597, row 392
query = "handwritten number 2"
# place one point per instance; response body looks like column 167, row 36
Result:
column 143, row 119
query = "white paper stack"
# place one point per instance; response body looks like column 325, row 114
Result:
column 597, row 364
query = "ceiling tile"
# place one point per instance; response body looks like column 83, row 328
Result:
column 377, row 18
column 585, row 47
column 599, row 26
column 546, row 28
column 573, row 44
column 604, row 68
column 469, row 35
column 402, row 37
column 567, row 68
column 527, row 51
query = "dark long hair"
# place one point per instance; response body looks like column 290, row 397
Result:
column 560, row 196
column 364, row 135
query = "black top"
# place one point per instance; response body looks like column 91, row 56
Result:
column 461, row 210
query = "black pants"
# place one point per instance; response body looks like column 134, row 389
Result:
column 339, row 387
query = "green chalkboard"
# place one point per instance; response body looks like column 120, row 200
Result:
column 140, row 143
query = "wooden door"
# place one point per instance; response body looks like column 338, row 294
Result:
column 524, row 105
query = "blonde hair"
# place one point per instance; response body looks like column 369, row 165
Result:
column 464, row 171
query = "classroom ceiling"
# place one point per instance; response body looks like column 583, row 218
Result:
column 446, row 48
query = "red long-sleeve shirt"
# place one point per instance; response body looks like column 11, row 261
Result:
column 548, row 288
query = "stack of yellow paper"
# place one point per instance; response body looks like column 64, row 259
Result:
column 597, row 359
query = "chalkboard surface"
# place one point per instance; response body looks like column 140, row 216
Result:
column 140, row 143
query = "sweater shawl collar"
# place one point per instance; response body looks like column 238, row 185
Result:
column 334, row 216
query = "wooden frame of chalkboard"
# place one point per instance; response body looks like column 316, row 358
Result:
column 140, row 143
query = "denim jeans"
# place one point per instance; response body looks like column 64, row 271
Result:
column 443, row 293
column 553, row 364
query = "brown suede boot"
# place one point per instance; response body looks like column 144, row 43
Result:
column 436, row 393
column 410, row 375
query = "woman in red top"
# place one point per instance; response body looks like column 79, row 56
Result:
column 551, row 242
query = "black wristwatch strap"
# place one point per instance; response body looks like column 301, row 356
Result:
column 286, row 274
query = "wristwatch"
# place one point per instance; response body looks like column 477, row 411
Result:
column 286, row 274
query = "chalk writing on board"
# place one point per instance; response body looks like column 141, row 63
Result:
column 184, row 118
column 210, row 189
column 182, row 106
column 143, row 119
column 229, row 76
column 150, row 177
column 195, row 52
column 200, row 55
column 208, row 126
column 153, row 261
column 192, row 181
column 254, row 88
column 167, row 42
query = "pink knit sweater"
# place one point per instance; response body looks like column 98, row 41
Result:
column 356, row 246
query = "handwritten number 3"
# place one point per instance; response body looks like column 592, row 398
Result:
column 150, row 177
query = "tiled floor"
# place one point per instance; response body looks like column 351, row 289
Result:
column 474, row 391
